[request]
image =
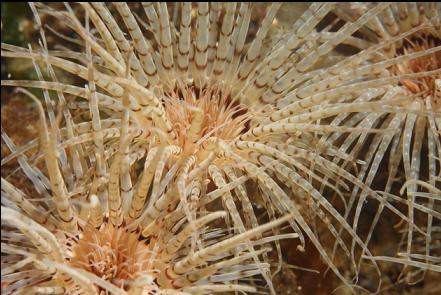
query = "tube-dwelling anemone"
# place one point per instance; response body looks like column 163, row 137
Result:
column 113, row 259
column 412, row 155
column 185, row 112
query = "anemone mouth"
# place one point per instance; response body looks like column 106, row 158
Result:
column 198, row 113
column 112, row 253
column 425, row 86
